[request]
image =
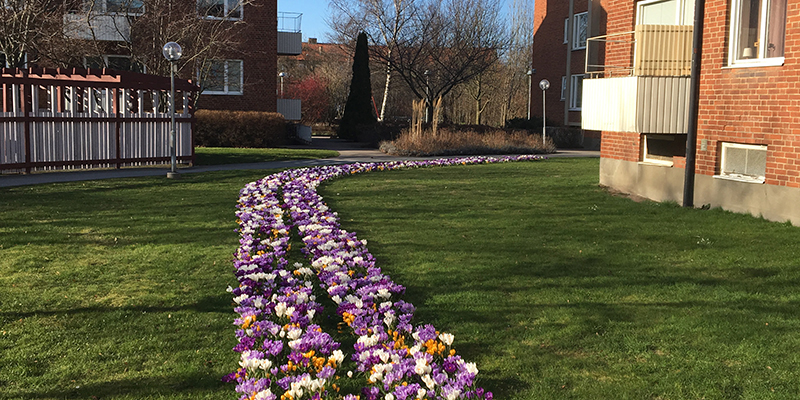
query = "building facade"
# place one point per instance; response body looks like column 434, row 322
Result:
column 231, row 47
column 561, row 29
column 748, row 135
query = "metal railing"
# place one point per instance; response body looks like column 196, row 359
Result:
column 648, row 50
column 604, row 70
column 289, row 21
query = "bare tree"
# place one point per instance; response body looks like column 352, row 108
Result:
column 384, row 21
column 519, row 57
column 433, row 46
column 25, row 25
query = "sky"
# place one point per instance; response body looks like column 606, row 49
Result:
column 314, row 13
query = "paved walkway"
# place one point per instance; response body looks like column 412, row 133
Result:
column 348, row 153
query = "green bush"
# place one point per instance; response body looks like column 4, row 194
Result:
column 254, row 129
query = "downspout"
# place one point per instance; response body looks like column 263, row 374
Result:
column 568, row 83
column 694, row 100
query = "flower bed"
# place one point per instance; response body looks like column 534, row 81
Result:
column 283, row 350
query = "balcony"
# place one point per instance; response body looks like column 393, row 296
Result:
column 290, row 38
column 644, row 88
column 290, row 109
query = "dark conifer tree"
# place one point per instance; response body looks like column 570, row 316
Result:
column 358, row 110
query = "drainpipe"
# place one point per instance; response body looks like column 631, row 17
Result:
column 568, row 83
column 694, row 100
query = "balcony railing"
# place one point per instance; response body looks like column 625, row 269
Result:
column 290, row 109
column 648, row 50
column 290, row 39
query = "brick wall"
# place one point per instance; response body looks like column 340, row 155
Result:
column 550, row 57
column 259, row 52
column 756, row 105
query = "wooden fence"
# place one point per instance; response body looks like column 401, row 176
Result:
column 91, row 118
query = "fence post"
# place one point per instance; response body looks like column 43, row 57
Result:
column 117, row 122
column 25, row 106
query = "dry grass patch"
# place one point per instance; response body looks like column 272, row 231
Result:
column 452, row 142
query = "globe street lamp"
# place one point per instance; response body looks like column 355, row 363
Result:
column 172, row 52
column 544, row 84
column 282, row 75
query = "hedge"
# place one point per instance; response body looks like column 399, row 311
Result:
column 254, row 129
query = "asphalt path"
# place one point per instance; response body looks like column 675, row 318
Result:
column 348, row 153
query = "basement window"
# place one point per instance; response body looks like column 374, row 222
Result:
column 743, row 162
column 659, row 149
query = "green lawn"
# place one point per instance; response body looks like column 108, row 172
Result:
column 116, row 289
column 560, row 291
column 225, row 155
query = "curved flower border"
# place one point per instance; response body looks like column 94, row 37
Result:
column 283, row 353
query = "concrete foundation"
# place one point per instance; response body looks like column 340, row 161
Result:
column 660, row 183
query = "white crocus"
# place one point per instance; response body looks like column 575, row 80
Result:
column 446, row 338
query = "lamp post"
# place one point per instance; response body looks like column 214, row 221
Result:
column 530, row 89
column 172, row 52
column 544, row 84
column 282, row 75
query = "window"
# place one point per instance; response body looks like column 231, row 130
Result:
column 563, row 88
column 115, row 62
column 660, row 149
column 223, row 77
column 575, row 92
column 758, row 32
column 220, row 9
column 744, row 162
column 579, row 31
column 3, row 61
column 114, row 6
column 665, row 12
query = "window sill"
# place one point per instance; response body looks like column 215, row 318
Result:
column 765, row 62
column 213, row 18
column 656, row 163
column 222, row 93
column 740, row 178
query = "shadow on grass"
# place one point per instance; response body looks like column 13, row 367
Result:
column 187, row 386
column 209, row 304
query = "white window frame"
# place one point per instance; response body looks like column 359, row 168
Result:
column 226, row 90
column 685, row 10
column 646, row 159
column 101, row 7
column 760, row 60
column 563, row 88
column 739, row 177
column 573, row 92
column 566, row 30
column 579, row 19
column 226, row 11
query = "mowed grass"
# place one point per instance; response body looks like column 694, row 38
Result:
column 559, row 290
column 116, row 289
column 224, row 155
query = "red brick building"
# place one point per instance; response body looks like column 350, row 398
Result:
column 243, row 76
column 560, row 40
column 748, row 140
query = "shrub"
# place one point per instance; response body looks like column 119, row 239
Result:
column 253, row 129
column 358, row 109
column 449, row 141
